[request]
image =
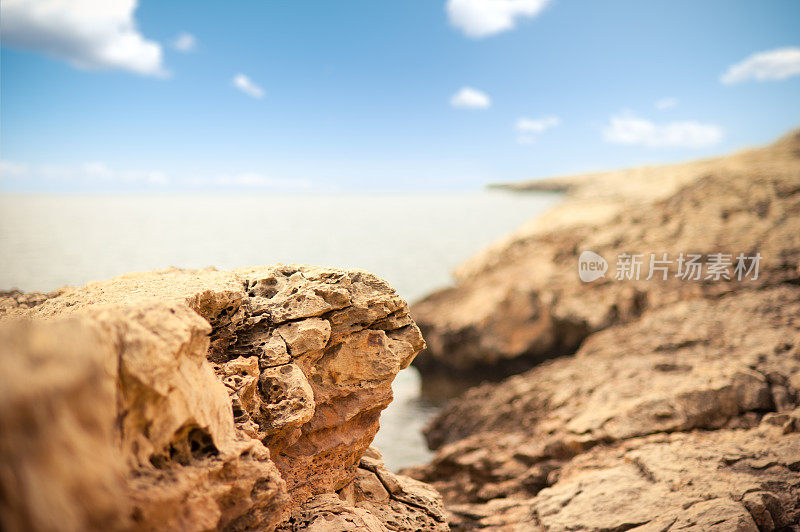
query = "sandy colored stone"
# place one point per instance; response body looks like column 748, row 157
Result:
column 646, row 420
column 305, row 336
column 197, row 399
column 328, row 512
column 287, row 404
column 59, row 395
column 701, row 481
column 376, row 499
column 141, row 413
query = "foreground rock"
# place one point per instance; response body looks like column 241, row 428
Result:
column 522, row 302
column 687, row 418
column 200, row 399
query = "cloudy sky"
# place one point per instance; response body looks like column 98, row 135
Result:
column 320, row 96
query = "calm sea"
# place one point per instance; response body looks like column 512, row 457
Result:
column 412, row 241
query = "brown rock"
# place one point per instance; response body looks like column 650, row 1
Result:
column 58, row 395
column 200, row 399
column 701, row 481
column 305, row 336
column 287, row 404
column 376, row 499
column 412, row 505
column 133, row 429
column 605, row 439
column 327, row 512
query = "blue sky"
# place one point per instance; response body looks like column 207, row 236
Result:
column 410, row 95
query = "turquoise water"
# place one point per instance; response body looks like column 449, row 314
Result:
column 412, row 241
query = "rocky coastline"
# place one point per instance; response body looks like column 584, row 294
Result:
column 650, row 405
column 249, row 399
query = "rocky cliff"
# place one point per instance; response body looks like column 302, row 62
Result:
column 201, row 399
column 676, row 403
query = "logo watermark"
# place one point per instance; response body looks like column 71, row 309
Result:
column 591, row 266
column 686, row 266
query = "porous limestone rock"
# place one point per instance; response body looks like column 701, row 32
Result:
column 199, row 399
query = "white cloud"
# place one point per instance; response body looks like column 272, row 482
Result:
column 627, row 128
column 91, row 34
column 772, row 65
column 481, row 18
column 529, row 129
column 246, row 85
column 469, row 98
column 666, row 103
column 185, row 42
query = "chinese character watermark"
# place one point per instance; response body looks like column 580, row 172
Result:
column 686, row 267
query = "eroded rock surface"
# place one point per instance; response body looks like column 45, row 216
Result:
column 521, row 301
column 201, row 399
column 686, row 418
